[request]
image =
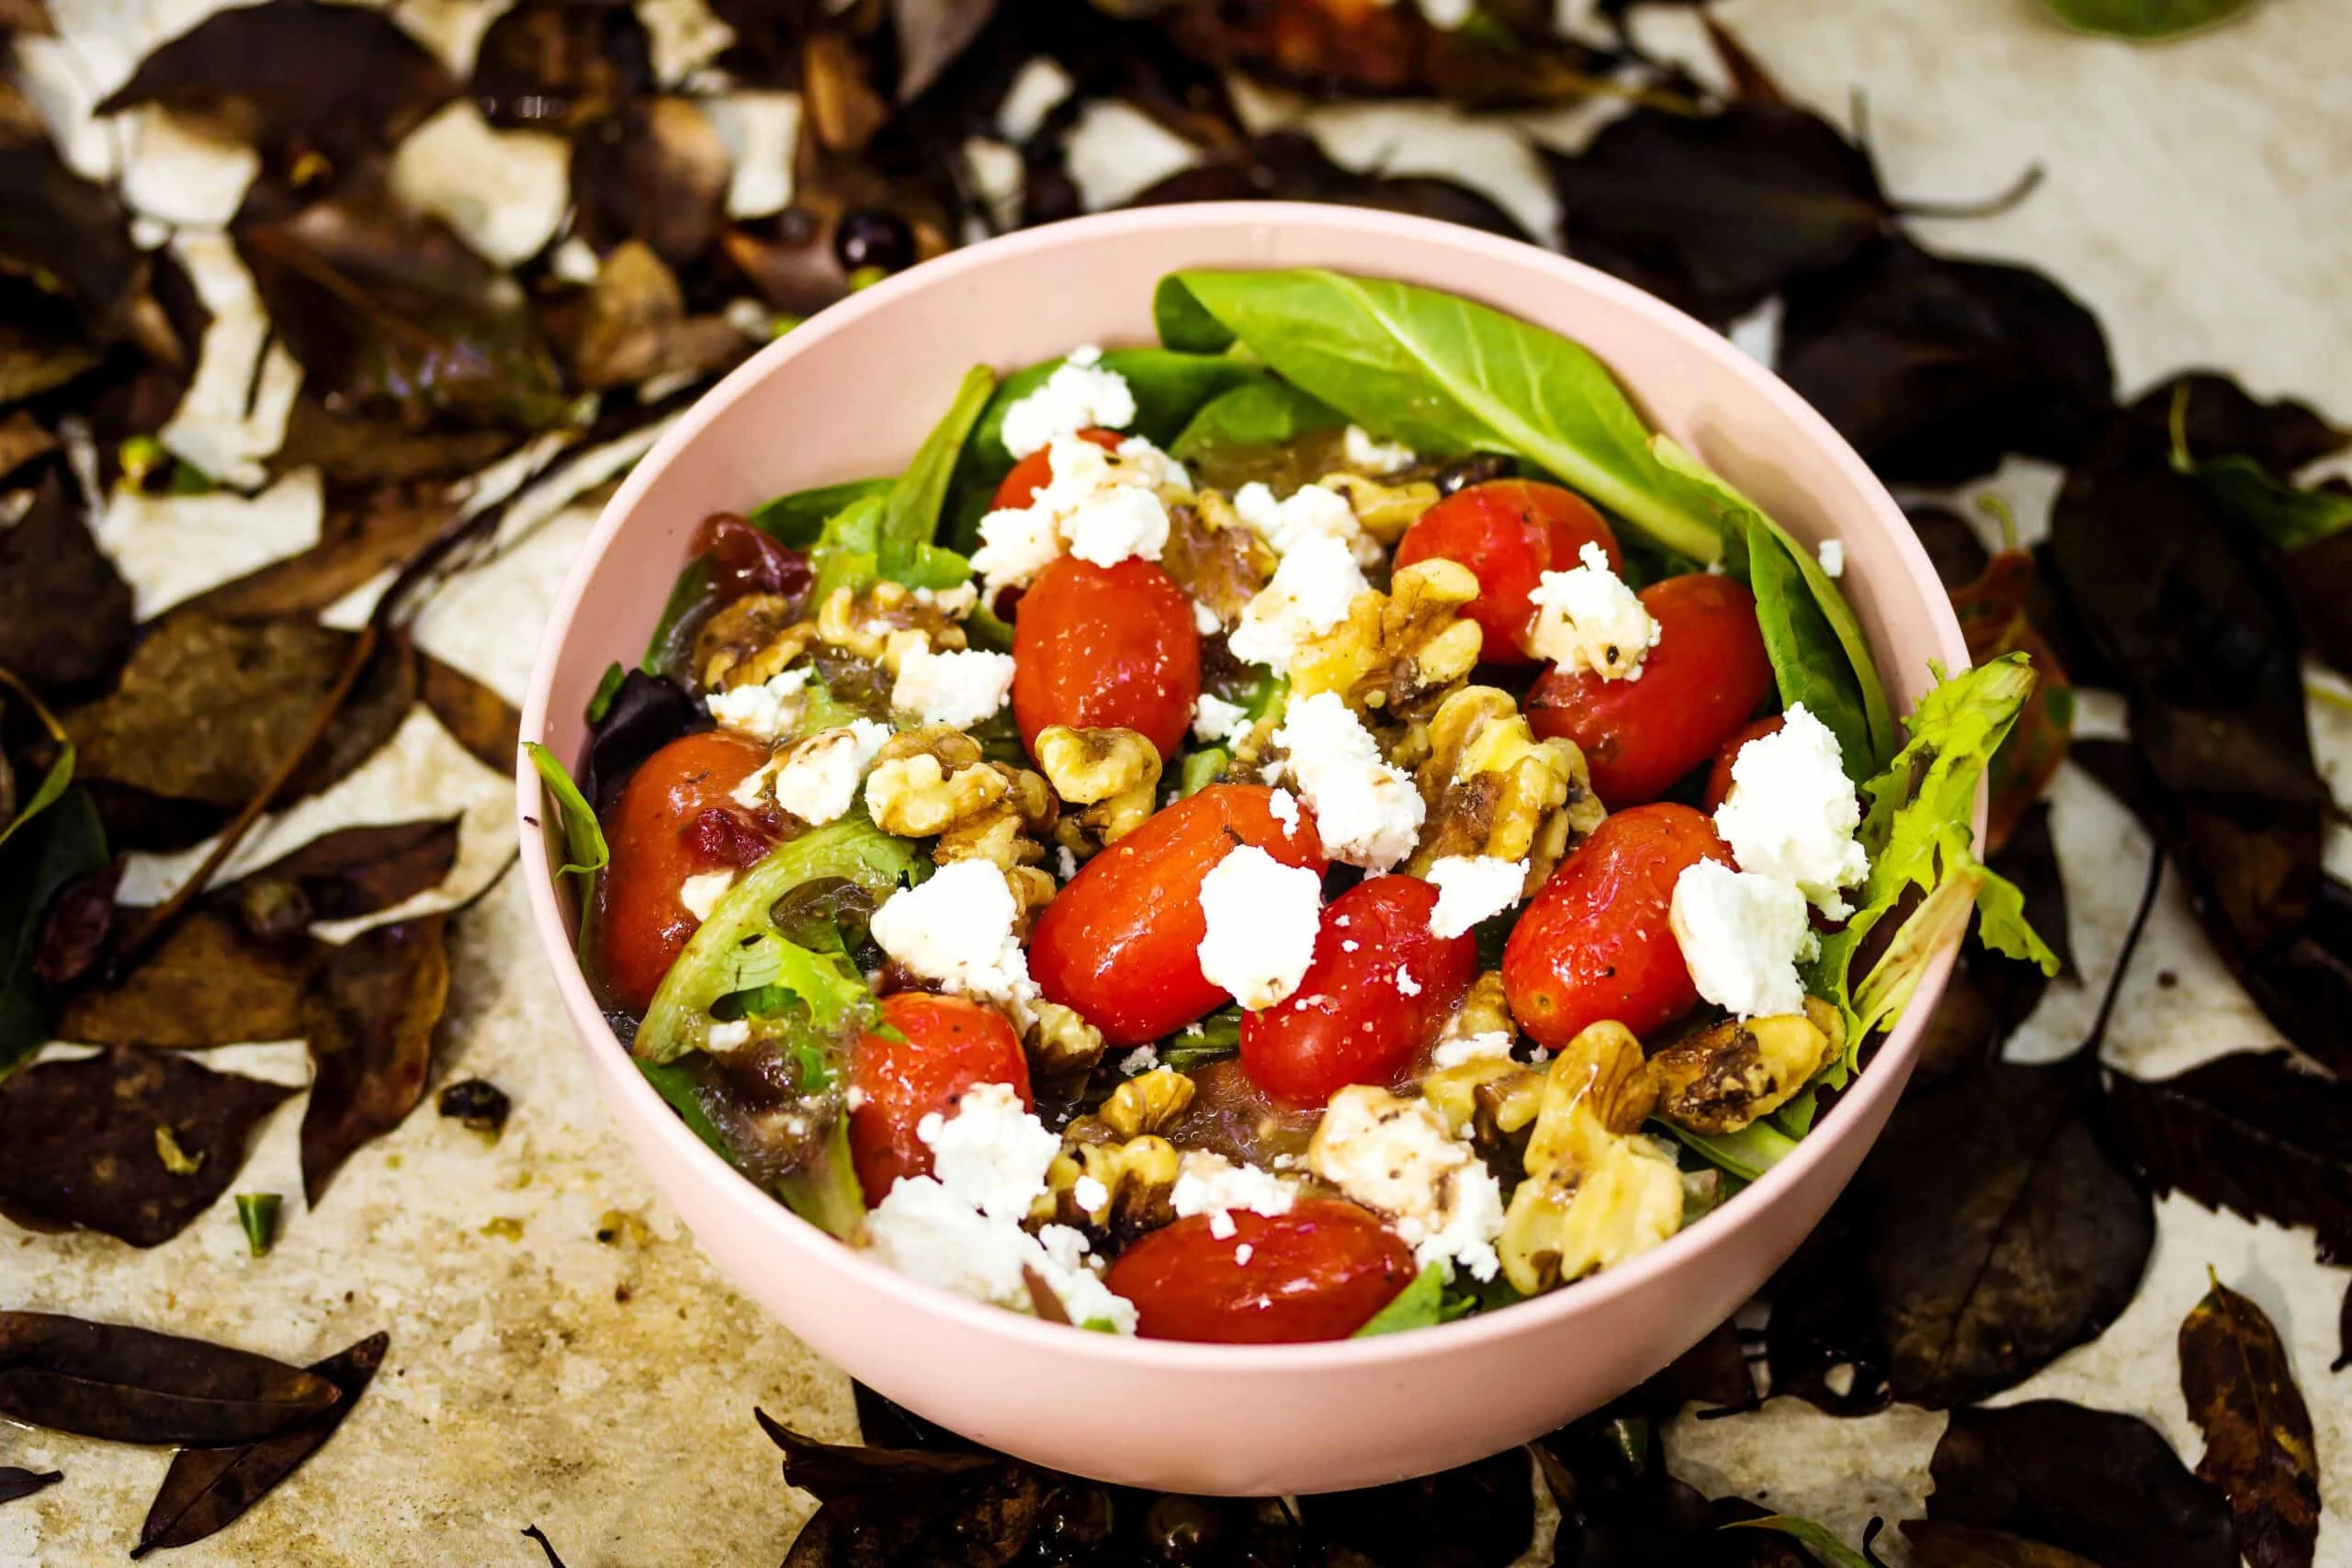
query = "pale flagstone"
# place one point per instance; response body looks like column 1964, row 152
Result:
column 170, row 548
column 229, row 420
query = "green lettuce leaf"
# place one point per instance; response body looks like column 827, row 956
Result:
column 1261, row 412
column 910, row 510
column 1424, row 1304
column 800, row 518
column 1816, row 1537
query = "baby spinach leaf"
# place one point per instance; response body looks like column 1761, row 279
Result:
column 1420, row 1304
column 1264, row 413
column 848, row 552
column 799, row 518
column 2288, row 517
column 1747, row 1154
column 1817, row 1538
column 1448, row 376
column 680, row 1083
column 1809, row 663
column 2143, row 21
column 912, row 507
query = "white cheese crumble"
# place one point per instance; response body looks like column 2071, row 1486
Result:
column 1016, row 543
column 960, row 687
column 1741, row 935
column 1586, row 618
column 1243, row 1253
column 1121, row 523
column 1091, row 1195
column 928, row 1234
column 1368, row 811
column 764, row 712
column 723, row 1037
column 957, row 928
column 1831, row 553
column 1079, row 394
column 1791, row 813
column 1282, row 807
column 1261, row 918
column 1471, row 888
column 818, row 778
column 1368, row 456
column 1109, row 506
column 701, row 893
column 1142, row 1059
column 1489, row 1045
column 1311, row 591
column 1204, row 619
column 1065, row 861
column 1396, row 1155
column 992, row 1152
column 1405, row 984
column 1213, row 1185
column 1310, row 512
column 1216, row 720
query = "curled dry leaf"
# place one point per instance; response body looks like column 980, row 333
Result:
column 74, row 929
column 1993, row 619
column 1717, row 213
column 76, row 235
column 89, row 1141
column 207, row 1489
column 1936, row 369
column 1823, row 1342
column 633, row 326
column 350, row 449
column 1337, row 46
column 1939, row 1543
column 367, row 530
column 477, row 718
column 15, row 1483
column 658, row 172
column 2105, row 1486
column 2259, row 1446
column 65, row 616
column 545, row 65
column 370, row 1016
column 2251, row 1132
column 1480, row 1515
column 56, row 847
column 133, row 1385
column 1291, row 167
column 342, row 876
column 208, row 982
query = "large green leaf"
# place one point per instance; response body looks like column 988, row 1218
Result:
column 1448, row 376
column 910, row 510
column 799, row 518
column 2144, row 20
column 1809, row 662
column 1267, row 411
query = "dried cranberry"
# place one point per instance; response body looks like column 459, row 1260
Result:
column 721, row 837
column 745, row 560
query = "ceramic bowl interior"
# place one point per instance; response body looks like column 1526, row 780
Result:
column 849, row 395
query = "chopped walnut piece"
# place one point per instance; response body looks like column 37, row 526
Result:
column 934, row 781
column 1131, row 1183
column 881, row 623
column 1597, row 1191
column 1060, row 1043
column 1149, row 1103
column 1396, row 646
column 1721, row 1079
column 1494, row 789
column 1385, row 510
column 1113, row 773
column 748, row 640
column 1213, row 557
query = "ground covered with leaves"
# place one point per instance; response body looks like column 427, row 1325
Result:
column 323, row 329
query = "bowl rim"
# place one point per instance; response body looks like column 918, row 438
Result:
column 778, row 1226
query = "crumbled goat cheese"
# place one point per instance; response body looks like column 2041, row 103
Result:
column 1367, row 811
column 1108, row 505
column 1396, row 1155
column 1832, row 555
column 764, row 712
column 701, row 893
column 1142, row 1059
column 819, row 779
column 1310, row 512
column 1261, row 917
column 960, row 687
column 1405, row 984
column 1309, row 595
column 1243, row 1253
column 1215, row 719
column 1791, row 813
column 1120, row 524
column 1090, row 1194
column 728, row 1036
column 1367, row 455
column 1471, row 888
column 1742, row 936
column 992, row 1152
column 1588, row 619
column 957, row 928
column 1146, row 464
column 1065, row 861
column 928, row 1234
column 1282, row 807
column 1079, row 394
column 1213, row 1185
column 953, row 603
column 1016, row 543
column 1487, row 1044
column 1204, row 619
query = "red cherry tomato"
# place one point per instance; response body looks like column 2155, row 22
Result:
column 1719, row 776
column 1098, row 647
column 1594, row 943
column 675, row 819
column 1352, row 1019
column 1317, row 1272
column 949, row 1043
column 1121, row 943
column 1029, row 475
column 1509, row 533
column 1700, row 683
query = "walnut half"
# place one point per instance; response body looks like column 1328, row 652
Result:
column 1397, row 646
column 1721, row 1077
column 1112, row 773
column 934, row 782
column 1493, row 789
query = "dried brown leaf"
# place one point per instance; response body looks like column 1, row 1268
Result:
column 657, row 172
column 1938, row 1543
column 555, row 66
column 350, row 449
column 74, row 933
column 366, row 532
column 634, row 326
column 2258, row 1447
column 476, row 716
column 369, row 1015
column 22, row 438
column 84, row 1147
column 133, row 1385
column 15, row 1483
column 208, row 983
column 65, row 610
column 342, row 876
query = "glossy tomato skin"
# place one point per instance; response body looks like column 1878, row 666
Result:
column 1106, row 646
column 1719, row 776
column 949, row 1044
column 1594, row 943
column 1702, row 681
column 1352, row 1019
column 1021, row 486
column 1509, row 533
column 675, row 819
column 1121, row 943
column 1317, row 1273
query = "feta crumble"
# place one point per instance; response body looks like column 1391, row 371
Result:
column 1368, row 456
column 1586, row 618
column 1489, row 1045
column 701, row 893
column 1204, row 620
column 1310, row 512
column 1108, row 506
column 992, row 1152
column 1065, row 861
column 1397, row 1155
column 764, row 712
column 723, row 1037
column 1123, row 522
column 1471, row 888
column 1091, row 1195
column 818, row 776
column 1260, row 919
column 1831, row 553
column 1078, row 395
column 957, row 928
column 1791, row 813
column 1142, row 1059
column 1282, row 807
column 1742, row 936
column 1213, row 1185
column 928, row 1234
column 1309, row 595
column 1368, row 811
column 1405, row 984
column 1243, row 1253
column 1218, row 721
column 960, row 687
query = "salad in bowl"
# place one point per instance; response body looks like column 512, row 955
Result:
column 1316, row 827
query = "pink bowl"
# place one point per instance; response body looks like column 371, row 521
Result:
column 849, row 395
